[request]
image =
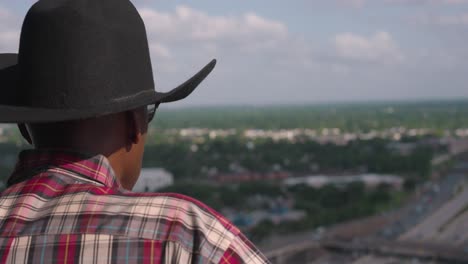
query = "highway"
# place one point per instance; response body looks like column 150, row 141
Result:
column 444, row 225
column 432, row 196
column 432, row 227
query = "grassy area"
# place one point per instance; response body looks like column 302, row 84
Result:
column 398, row 198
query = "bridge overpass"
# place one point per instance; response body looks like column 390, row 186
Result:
column 310, row 250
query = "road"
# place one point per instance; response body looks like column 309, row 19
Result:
column 432, row 215
column 445, row 225
column 432, row 196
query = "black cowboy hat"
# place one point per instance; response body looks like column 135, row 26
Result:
column 80, row 59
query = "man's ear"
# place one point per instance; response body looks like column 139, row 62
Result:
column 24, row 132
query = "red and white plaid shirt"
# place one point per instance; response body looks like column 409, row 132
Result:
column 63, row 207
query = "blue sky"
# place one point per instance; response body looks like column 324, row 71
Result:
column 287, row 52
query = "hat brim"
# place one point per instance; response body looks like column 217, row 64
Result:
column 10, row 113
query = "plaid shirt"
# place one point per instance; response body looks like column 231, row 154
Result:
column 65, row 207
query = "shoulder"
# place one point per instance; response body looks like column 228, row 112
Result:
column 220, row 235
column 182, row 208
column 192, row 225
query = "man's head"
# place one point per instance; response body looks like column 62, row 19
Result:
column 120, row 137
column 78, row 60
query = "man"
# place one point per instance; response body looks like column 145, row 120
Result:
column 81, row 91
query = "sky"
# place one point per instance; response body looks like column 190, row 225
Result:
column 299, row 51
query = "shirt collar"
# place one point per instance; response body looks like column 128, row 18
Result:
column 31, row 162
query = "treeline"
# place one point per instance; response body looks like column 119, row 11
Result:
column 347, row 117
column 187, row 160
column 236, row 153
column 330, row 205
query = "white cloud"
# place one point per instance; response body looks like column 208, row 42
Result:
column 380, row 47
column 192, row 35
column 9, row 41
column 446, row 20
column 3, row 12
column 443, row 2
column 461, row 19
column 456, row 1
column 353, row 3
column 361, row 3
column 253, row 51
column 9, row 33
column 160, row 50
column 188, row 23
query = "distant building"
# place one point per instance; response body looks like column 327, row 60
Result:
column 2, row 134
column 242, row 177
column 370, row 180
column 153, row 179
column 402, row 148
column 253, row 218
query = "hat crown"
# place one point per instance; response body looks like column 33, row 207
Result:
column 76, row 54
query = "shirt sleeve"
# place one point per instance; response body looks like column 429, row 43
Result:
column 242, row 251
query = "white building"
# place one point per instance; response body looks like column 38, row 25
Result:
column 370, row 180
column 153, row 179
